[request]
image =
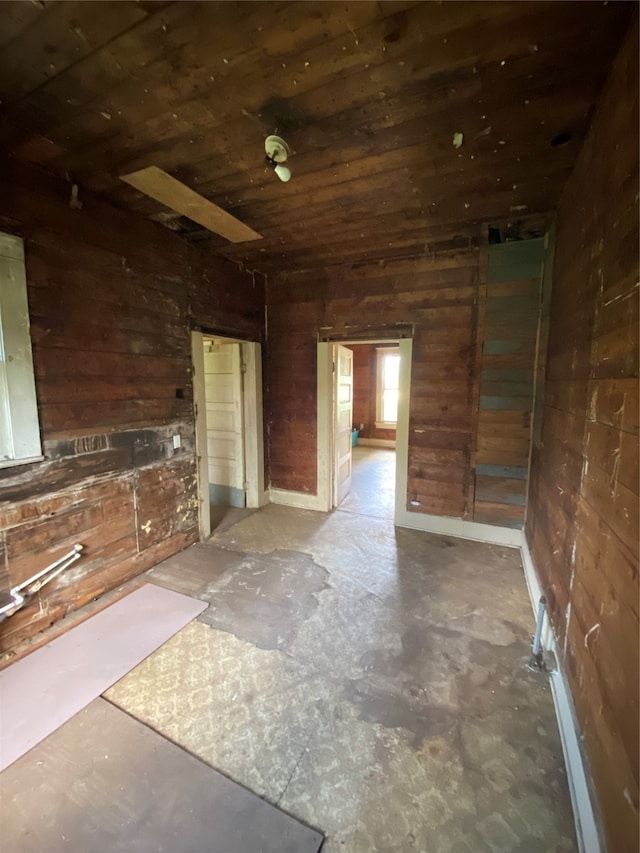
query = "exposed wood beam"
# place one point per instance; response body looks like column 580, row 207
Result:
column 157, row 184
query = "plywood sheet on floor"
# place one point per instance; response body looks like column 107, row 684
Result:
column 105, row 782
column 43, row 690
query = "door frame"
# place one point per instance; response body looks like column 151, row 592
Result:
column 336, row 402
column 325, row 421
column 253, row 429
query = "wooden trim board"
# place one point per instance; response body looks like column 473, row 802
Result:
column 405, row 347
column 324, row 415
column 253, row 424
column 300, row 500
column 460, row 528
column 199, row 413
column 376, row 442
column 585, row 808
column 323, row 499
column 157, row 184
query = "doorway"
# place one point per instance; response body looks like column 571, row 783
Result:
column 229, row 430
column 373, row 477
column 350, row 467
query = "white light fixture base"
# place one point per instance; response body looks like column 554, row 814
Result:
column 276, row 149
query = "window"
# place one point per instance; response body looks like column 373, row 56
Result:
column 387, row 391
column 19, row 428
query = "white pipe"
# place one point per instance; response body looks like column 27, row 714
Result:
column 537, row 644
column 37, row 581
column 74, row 554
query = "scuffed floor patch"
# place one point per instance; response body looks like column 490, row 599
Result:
column 266, row 597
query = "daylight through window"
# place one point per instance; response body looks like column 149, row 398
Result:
column 388, row 383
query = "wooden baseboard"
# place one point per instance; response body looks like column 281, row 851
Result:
column 263, row 500
column 376, row 442
column 301, row 500
column 509, row 536
column 585, row 808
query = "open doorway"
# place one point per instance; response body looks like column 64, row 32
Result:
column 229, row 432
column 376, row 388
column 363, row 425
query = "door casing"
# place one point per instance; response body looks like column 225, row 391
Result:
column 342, row 356
column 253, row 431
column 325, row 423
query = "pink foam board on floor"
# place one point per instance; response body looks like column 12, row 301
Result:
column 45, row 689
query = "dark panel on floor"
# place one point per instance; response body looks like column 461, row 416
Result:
column 106, row 783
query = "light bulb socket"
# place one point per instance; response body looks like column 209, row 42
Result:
column 282, row 171
column 277, row 152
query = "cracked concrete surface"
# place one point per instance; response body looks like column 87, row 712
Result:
column 395, row 714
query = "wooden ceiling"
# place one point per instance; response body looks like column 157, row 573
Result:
column 369, row 96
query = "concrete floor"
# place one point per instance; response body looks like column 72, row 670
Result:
column 222, row 517
column 373, row 482
column 370, row 681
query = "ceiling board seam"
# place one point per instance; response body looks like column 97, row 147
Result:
column 81, row 59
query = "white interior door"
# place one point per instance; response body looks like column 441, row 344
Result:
column 225, row 444
column 343, row 409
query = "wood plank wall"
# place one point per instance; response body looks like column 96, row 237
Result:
column 509, row 335
column 365, row 386
column 440, row 298
column 437, row 296
column 582, row 523
column 112, row 298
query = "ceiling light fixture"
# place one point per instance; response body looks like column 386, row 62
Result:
column 277, row 152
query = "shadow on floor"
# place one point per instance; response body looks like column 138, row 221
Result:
column 224, row 517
